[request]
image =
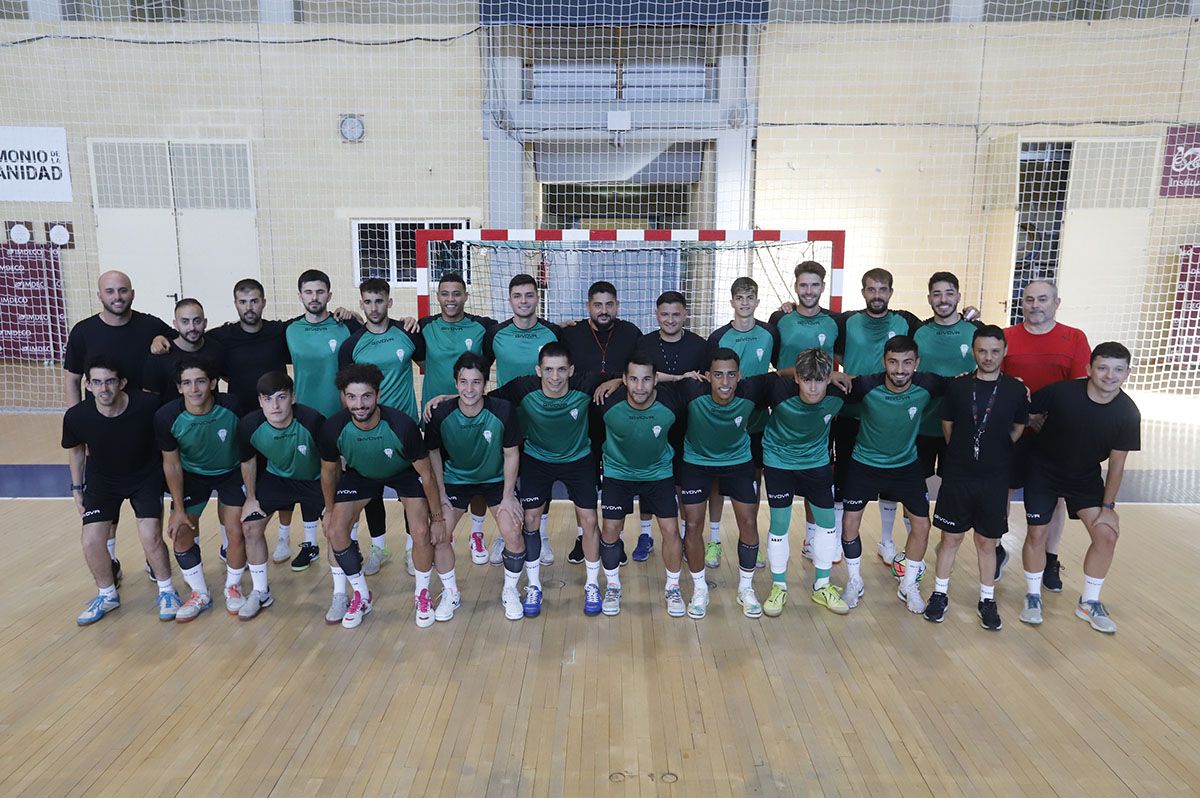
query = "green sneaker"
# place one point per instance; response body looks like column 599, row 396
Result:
column 376, row 559
column 712, row 554
column 831, row 599
column 773, row 606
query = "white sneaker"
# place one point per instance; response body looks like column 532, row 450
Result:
column 751, row 608
column 807, row 551
column 283, row 551
column 257, row 600
column 479, row 554
column 912, row 598
column 612, row 601
column 698, row 607
column 337, row 608
column 496, row 555
column 424, row 609
column 1032, row 614
column 853, row 591
column 511, row 600
column 547, row 552
column 376, row 559
column 408, row 563
column 887, row 552
column 675, row 605
column 234, row 599
column 356, row 610
column 447, row 603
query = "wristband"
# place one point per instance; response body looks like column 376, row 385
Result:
column 75, row 487
column 1109, row 506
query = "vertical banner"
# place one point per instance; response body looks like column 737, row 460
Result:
column 33, row 312
column 1181, row 162
column 1183, row 343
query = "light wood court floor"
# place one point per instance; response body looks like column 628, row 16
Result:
column 876, row 703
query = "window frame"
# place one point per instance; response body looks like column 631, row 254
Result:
column 393, row 237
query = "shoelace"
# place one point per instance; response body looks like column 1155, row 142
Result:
column 423, row 601
column 1097, row 608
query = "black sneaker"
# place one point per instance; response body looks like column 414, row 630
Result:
column 309, row 554
column 116, row 566
column 1001, row 561
column 576, row 555
column 624, row 556
column 1052, row 577
column 989, row 615
column 935, row 610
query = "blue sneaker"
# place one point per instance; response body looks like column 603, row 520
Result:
column 645, row 545
column 592, row 602
column 168, row 605
column 532, row 605
column 222, row 553
column 96, row 609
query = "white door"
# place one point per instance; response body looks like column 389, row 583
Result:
column 135, row 220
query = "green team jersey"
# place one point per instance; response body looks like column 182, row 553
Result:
column 797, row 436
column 207, row 444
column 314, row 351
column 757, row 349
column 391, row 445
column 890, row 419
column 290, row 452
column 636, row 442
column 945, row 350
column 556, row 430
column 797, row 333
column 515, row 351
column 718, row 435
column 393, row 351
column 472, row 447
column 445, row 341
column 861, row 338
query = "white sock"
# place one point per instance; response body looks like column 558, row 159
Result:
column 258, row 577
column 778, row 552
column 745, row 580
column 593, row 572
column 511, row 579
column 854, row 567
column 310, row 532
column 1033, row 584
column 380, row 542
column 672, row 580
column 195, row 579
column 544, row 525
column 810, row 533
column 987, row 591
column 224, row 537
column 476, row 523
column 887, row 519
column 233, row 576
column 359, row 583
column 1091, row 588
column 699, row 581
column 339, row 579
column 354, row 532
column 714, row 531
column 646, row 527
column 109, row 592
column 112, row 548
column 907, row 526
column 165, row 585
column 533, row 572
column 612, row 578
column 838, row 511
column 421, row 581
column 449, row 581
column 912, row 569
column 940, row 585
column 285, row 532
column 826, row 545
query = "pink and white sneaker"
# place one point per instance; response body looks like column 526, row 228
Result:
column 358, row 608
column 479, row 554
column 424, row 607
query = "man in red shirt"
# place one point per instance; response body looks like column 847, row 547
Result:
column 1042, row 351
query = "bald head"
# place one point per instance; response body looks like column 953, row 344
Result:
column 115, row 292
column 1039, row 304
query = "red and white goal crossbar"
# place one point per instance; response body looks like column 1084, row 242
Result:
column 837, row 238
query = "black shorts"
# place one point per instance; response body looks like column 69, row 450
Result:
column 103, row 497
column 460, row 495
column 965, row 503
column 930, row 451
column 538, row 477
column 354, row 487
column 1046, row 484
column 198, row 488
column 813, row 484
column 655, row 498
column 739, row 482
column 756, row 453
column 275, row 493
column 1018, row 471
column 904, row 484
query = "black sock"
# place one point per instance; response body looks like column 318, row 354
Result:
column 747, row 556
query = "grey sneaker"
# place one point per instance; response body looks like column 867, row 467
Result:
column 283, row 551
column 1095, row 613
column 912, row 598
column 496, row 554
column 698, row 607
column 853, row 592
column 257, row 600
column 612, row 601
column 337, row 608
column 675, row 605
column 376, row 559
column 1032, row 614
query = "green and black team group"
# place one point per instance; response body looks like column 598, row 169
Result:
column 839, row 409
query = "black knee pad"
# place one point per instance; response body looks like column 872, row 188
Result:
column 747, row 556
column 349, row 559
column 513, row 562
column 852, row 548
column 610, row 554
column 188, row 559
column 533, row 545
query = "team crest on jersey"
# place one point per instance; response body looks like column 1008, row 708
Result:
column 828, row 417
column 575, row 412
column 399, row 354
column 487, row 435
column 759, row 352
column 964, row 349
column 891, row 334
column 222, row 434
column 302, row 448
column 388, row 452
column 737, row 422
column 657, row 430
column 912, row 413
column 467, row 344
column 332, row 345
column 821, row 339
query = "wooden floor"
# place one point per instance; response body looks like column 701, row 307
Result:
column 876, row 703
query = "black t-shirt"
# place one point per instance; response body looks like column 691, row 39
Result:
column 1079, row 433
column 248, row 356
column 159, row 375
column 689, row 353
column 118, row 447
column 1011, row 406
column 605, row 353
column 128, row 346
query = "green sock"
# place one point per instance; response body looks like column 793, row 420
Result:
column 822, row 578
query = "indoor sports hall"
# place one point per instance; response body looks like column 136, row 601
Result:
column 658, row 146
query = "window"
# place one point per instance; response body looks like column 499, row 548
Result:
column 387, row 248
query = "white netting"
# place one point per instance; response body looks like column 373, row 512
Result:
column 210, row 140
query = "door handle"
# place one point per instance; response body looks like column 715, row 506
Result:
column 174, row 296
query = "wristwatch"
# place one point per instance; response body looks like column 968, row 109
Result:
column 1109, row 506
column 75, row 487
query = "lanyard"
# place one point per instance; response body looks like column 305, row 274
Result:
column 981, row 424
column 603, row 347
